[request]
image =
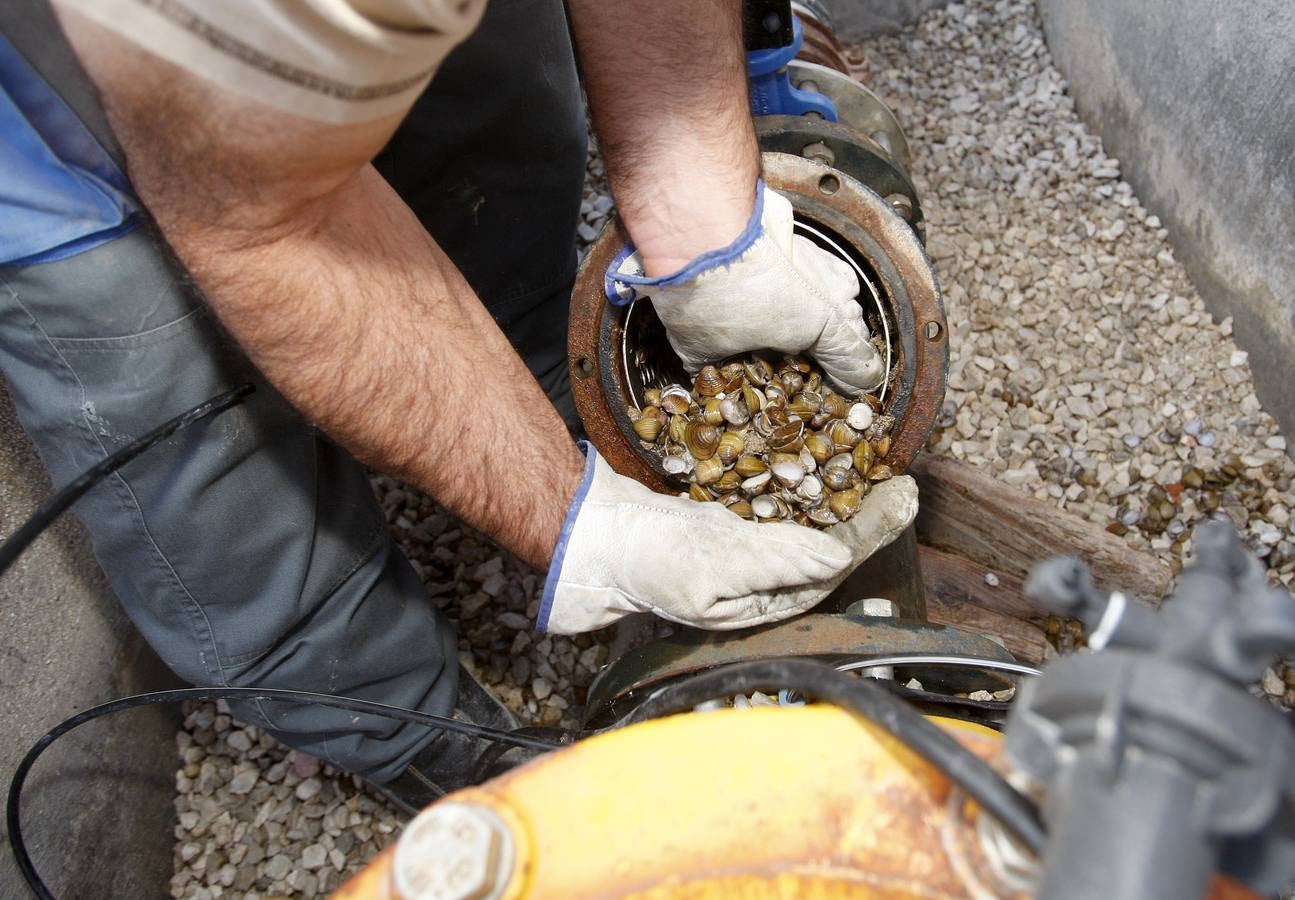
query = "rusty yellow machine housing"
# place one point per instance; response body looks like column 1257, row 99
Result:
column 755, row 804
column 686, row 807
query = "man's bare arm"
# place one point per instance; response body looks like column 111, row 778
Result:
column 667, row 86
column 338, row 294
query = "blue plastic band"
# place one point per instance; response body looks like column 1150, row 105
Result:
column 618, row 286
column 564, row 536
column 60, row 192
column 771, row 91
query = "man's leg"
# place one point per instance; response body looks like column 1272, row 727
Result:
column 248, row 549
column 492, row 160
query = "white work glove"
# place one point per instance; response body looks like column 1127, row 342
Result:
column 626, row 549
column 769, row 289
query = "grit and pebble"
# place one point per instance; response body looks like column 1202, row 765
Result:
column 1084, row 369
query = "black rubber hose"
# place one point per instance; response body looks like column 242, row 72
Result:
column 56, row 505
column 12, row 822
column 872, row 703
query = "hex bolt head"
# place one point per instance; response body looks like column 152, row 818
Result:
column 901, row 204
column 453, row 851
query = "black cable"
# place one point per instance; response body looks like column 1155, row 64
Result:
column 875, row 704
column 55, row 506
column 349, row 704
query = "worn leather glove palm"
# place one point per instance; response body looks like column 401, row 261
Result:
column 625, row 549
column 769, row 289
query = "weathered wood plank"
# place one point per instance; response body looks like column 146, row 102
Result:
column 953, row 577
column 957, row 595
column 968, row 512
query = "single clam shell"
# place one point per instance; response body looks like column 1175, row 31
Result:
column 708, row 471
column 835, row 405
column 758, row 371
column 708, row 382
column 807, row 461
column 859, row 417
column 811, row 488
column 837, row 478
column 881, row 446
column 813, row 381
column 792, row 381
column 711, row 413
column 748, row 465
column 843, row 436
column 742, row 508
column 678, row 427
column 767, row 506
column 880, row 472
column 730, row 447
column 756, row 484
column 774, row 394
column 845, row 504
column 649, row 423
column 728, row 482
column 763, row 424
column 797, row 364
column 789, row 437
column 734, row 410
column 788, row 473
column 819, row 447
column 675, row 400
column 678, row 463
column 699, row 493
column 753, row 399
column 701, row 439
column 821, row 516
column 647, row 429
column 863, row 457
column 652, row 397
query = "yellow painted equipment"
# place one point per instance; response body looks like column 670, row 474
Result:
column 759, row 803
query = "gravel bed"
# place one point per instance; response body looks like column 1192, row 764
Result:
column 1084, row 369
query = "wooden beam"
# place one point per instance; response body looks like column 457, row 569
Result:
column 966, row 511
column 958, row 595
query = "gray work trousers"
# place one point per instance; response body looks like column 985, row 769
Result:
column 249, row 549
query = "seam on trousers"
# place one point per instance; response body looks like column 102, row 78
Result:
column 379, row 536
column 133, row 508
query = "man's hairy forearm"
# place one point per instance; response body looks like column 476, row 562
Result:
column 338, row 294
column 667, row 86
column 368, row 328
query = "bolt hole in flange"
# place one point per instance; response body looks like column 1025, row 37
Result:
column 584, row 367
column 829, row 184
column 933, row 331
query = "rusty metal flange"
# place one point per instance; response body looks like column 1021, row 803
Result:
column 831, row 202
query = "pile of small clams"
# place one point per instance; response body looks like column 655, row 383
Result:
column 769, row 441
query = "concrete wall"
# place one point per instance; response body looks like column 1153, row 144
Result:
column 98, row 810
column 1197, row 100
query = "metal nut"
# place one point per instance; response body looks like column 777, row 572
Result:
column 819, row 151
column 453, row 851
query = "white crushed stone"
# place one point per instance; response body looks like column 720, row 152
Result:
column 1084, row 369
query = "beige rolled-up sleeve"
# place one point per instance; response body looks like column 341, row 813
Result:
column 332, row 60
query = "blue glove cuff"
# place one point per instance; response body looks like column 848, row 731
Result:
column 560, row 549
column 619, row 287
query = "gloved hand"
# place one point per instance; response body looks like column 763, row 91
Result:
column 769, row 289
column 625, row 549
